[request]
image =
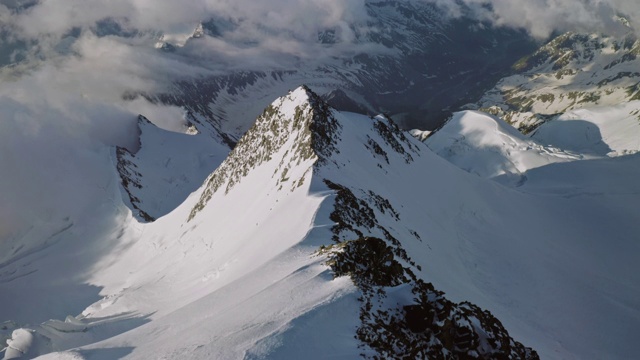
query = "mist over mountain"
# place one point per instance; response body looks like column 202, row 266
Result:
column 235, row 179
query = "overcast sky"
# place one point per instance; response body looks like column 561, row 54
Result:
column 60, row 108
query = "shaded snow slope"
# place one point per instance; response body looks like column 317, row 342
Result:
column 165, row 169
column 44, row 273
column 233, row 271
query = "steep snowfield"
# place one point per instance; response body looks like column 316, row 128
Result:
column 232, row 272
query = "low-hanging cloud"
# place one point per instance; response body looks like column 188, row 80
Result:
column 281, row 31
column 253, row 19
column 303, row 18
column 543, row 17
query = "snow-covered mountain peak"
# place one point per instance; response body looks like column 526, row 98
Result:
column 296, row 128
column 342, row 163
column 301, row 128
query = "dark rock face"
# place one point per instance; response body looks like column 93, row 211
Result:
column 130, row 177
column 369, row 262
column 429, row 327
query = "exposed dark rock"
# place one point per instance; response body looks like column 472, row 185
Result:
column 429, row 326
column 313, row 127
column 130, row 177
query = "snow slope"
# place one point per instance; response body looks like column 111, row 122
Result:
column 489, row 147
column 243, row 267
column 603, row 130
column 165, row 169
column 233, row 272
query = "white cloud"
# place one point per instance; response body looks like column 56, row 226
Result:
column 59, row 120
column 301, row 18
column 542, row 17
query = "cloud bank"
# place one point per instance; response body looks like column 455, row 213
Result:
column 543, row 17
column 301, row 19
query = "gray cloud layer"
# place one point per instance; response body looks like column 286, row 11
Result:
column 302, row 18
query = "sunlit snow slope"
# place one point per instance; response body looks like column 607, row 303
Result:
column 487, row 146
column 233, row 271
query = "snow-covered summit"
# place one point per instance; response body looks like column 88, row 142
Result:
column 298, row 127
column 299, row 144
column 489, row 147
